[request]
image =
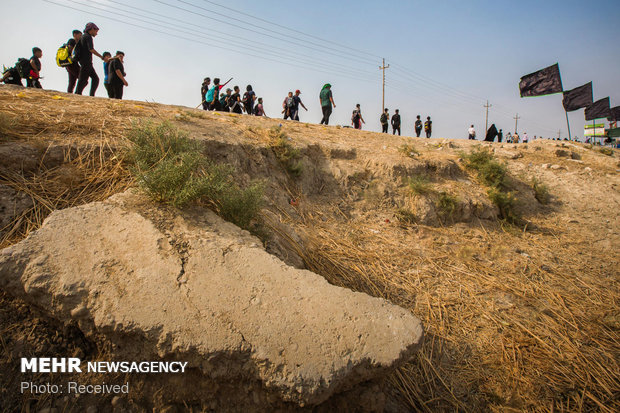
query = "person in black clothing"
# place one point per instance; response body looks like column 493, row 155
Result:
column 384, row 119
column 296, row 102
column 35, row 69
column 74, row 68
column 116, row 75
column 418, row 126
column 203, row 92
column 86, row 50
column 235, row 101
column 500, row 135
column 428, row 126
column 248, row 100
column 396, row 123
column 12, row 77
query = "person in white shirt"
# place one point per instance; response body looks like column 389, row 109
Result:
column 525, row 137
column 472, row 133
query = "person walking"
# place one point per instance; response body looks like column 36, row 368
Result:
column 287, row 106
column 356, row 117
column 500, row 135
column 428, row 126
column 106, row 71
column 117, row 75
column 384, row 119
column 204, row 88
column 235, row 101
column 396, row 123
column 327, row 101
column 472, row 133
column 418, row 126
column 525, row 137
column 248, row 100
column 35, row 69
column 260, row 111
column 74, row 68
column 85, row 50
column 296, row 102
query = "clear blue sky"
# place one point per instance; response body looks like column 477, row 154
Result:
column 446, row 57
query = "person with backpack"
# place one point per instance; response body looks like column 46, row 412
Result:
column 396, row 123
column 260, row 111
column 287, row 106
column 73, row 69
column 11, row 76
column 235, row 101
column 204, row 88
column 356, row 117
column 418, row 126
column 384, row 119
column 117, row 75
column 106, row 69
column 248, row 100
column 84, row 52
column 225, row 101
column 296, row 102
column 32, row 80
column 327, row 101
column 428, row 126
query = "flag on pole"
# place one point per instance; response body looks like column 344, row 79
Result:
column 491, row 134
column 543, row 82
column 615, row 114
column 599, row 109
column 577, row 98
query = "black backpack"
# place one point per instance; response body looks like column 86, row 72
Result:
column 23, row 67
column 383, row 118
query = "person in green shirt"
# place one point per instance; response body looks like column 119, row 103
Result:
column 326, row 100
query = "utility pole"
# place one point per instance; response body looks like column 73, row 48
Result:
column 516, row 118
column 383, row 68
column 486, row 122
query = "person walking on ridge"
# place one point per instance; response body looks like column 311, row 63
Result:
column 35, row 69
column 428, row 126
column 117, row 75
column 396, row 123
column 204, row 88
column 472, row 133
column 384, row 119
column 327, row 101
column 85, row 50
column 74, row 68
column 248, row 100
column 356, row 117
column 418, row 126
column 296, row 102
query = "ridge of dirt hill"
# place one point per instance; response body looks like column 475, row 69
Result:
column 518, row 317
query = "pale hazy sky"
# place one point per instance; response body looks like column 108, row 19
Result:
column 446, row 57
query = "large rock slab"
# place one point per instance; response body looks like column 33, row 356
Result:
column 192, row 287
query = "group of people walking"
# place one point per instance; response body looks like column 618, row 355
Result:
column 395, row 121
column 76, row 56
column 231, row 100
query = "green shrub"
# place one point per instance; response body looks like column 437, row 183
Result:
column 505, row 201
column 606, row 151
column 447, row 205
column 477, row 158
column 287, row 155
column 541, row 192
column 171, row 168
column 490, row 171
column 409, row 150
column 420, row 185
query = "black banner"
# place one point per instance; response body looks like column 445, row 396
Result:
column 599, row 109
column 543, row 82
column 577, row 98
column 615, row 114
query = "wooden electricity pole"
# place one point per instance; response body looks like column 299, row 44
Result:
column 516, row 118
column 486, row 122
column 383, row 68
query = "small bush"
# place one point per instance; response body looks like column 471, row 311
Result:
column 541, row 191
column 409, row 150
column 490, row 171
column 447, row 205
column 420, row 185
column 287, row 155
column 405, row 216
column 505, row 201
column 171, row 168
column 606, row 151
column 477, row 158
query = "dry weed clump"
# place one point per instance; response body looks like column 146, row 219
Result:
column 505, row 331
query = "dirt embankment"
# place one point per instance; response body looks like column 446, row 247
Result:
column 517, row 316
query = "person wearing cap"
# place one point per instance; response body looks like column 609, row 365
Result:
column 117, row 75
column 327, row 101
column 85, row 59
column 296, row 102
